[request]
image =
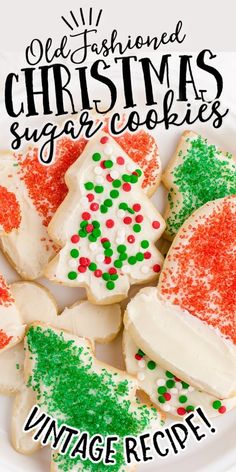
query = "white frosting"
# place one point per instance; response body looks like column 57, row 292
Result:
column 183, row 344
column 67, row 219
column 152, row 379
column 28, row 247
column 11, row 368
column 11, row 324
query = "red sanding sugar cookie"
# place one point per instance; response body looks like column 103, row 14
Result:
column 10, row 216
column 199, row 272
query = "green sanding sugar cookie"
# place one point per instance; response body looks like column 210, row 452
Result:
column 198, row 173
column 77, row 390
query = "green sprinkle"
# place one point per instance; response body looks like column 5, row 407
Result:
column 108, row 252
column 126, row 178
column 190, row 408
column 216, row 404
column 183, row 399
column 82, row 233
column 139, row 172
column 144, row 244
column 162, row 389
column 17, row 366
column 123, row 256
column 169, row 374
column 170, row 383
column 132, row 260
column 108, row 202
column 83, row 223
column 96, row 224
column 92, row 266
column 72, row 275
column 106, row 276
column 139, row 256
column 123, row 206
column 161, row 399
column 185, row 385
column 118, row 264
column 108, row 164
column 114, row 193
column 137, row 228
column 96, row 233
column 103, row 209
column 121, row 248
column 89, row 185
column 74, row 253
column 92, row 238
column 114, row 276
column 106, row 244
column 151, row 365
column 141, row 353
column 116, row 183
column 133, row 179
column 98, row 188
column 96, row 156
column 110, row 285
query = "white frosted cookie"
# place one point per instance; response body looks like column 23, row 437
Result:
column 168, row 392
column 11, row 326
column 92, row 389
column 199, row 172
column 161, row 330
column 106, row 226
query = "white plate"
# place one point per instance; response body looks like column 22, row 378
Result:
column 216, row 453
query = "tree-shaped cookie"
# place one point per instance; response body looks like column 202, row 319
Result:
column 76, row 389
column 198, row 173
column 107, row 226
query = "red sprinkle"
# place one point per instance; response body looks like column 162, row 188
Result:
column 109, row 178
column 104, row 140
column 222, row 409
column 127, row 220
column 167, row 396
column 138, row 357
column 10, row 215
column 112, row 271
column 181, row 411
column 89, row 228
column 84, row 261
column 75, row 238
column 86, row 216
column 110, row 223
column 126, row 187
column 136, row 207
column 120, row 160
column 139, row 219
column 104, row 240
column 82, row 268
column 156, row 268
column 94, row 206
column 131, row 239
column 155, row 224
column 107, row 260
column 102, row 164
column 147, row 255
column 4, row 339
column 90, row 197
column 98, row 273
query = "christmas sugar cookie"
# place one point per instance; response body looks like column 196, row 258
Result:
column 171, row 394
column 11, row 326
column 76, row 389
column 30, row 194
column 182, row 344
column 198, row 173
column 106, row 226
